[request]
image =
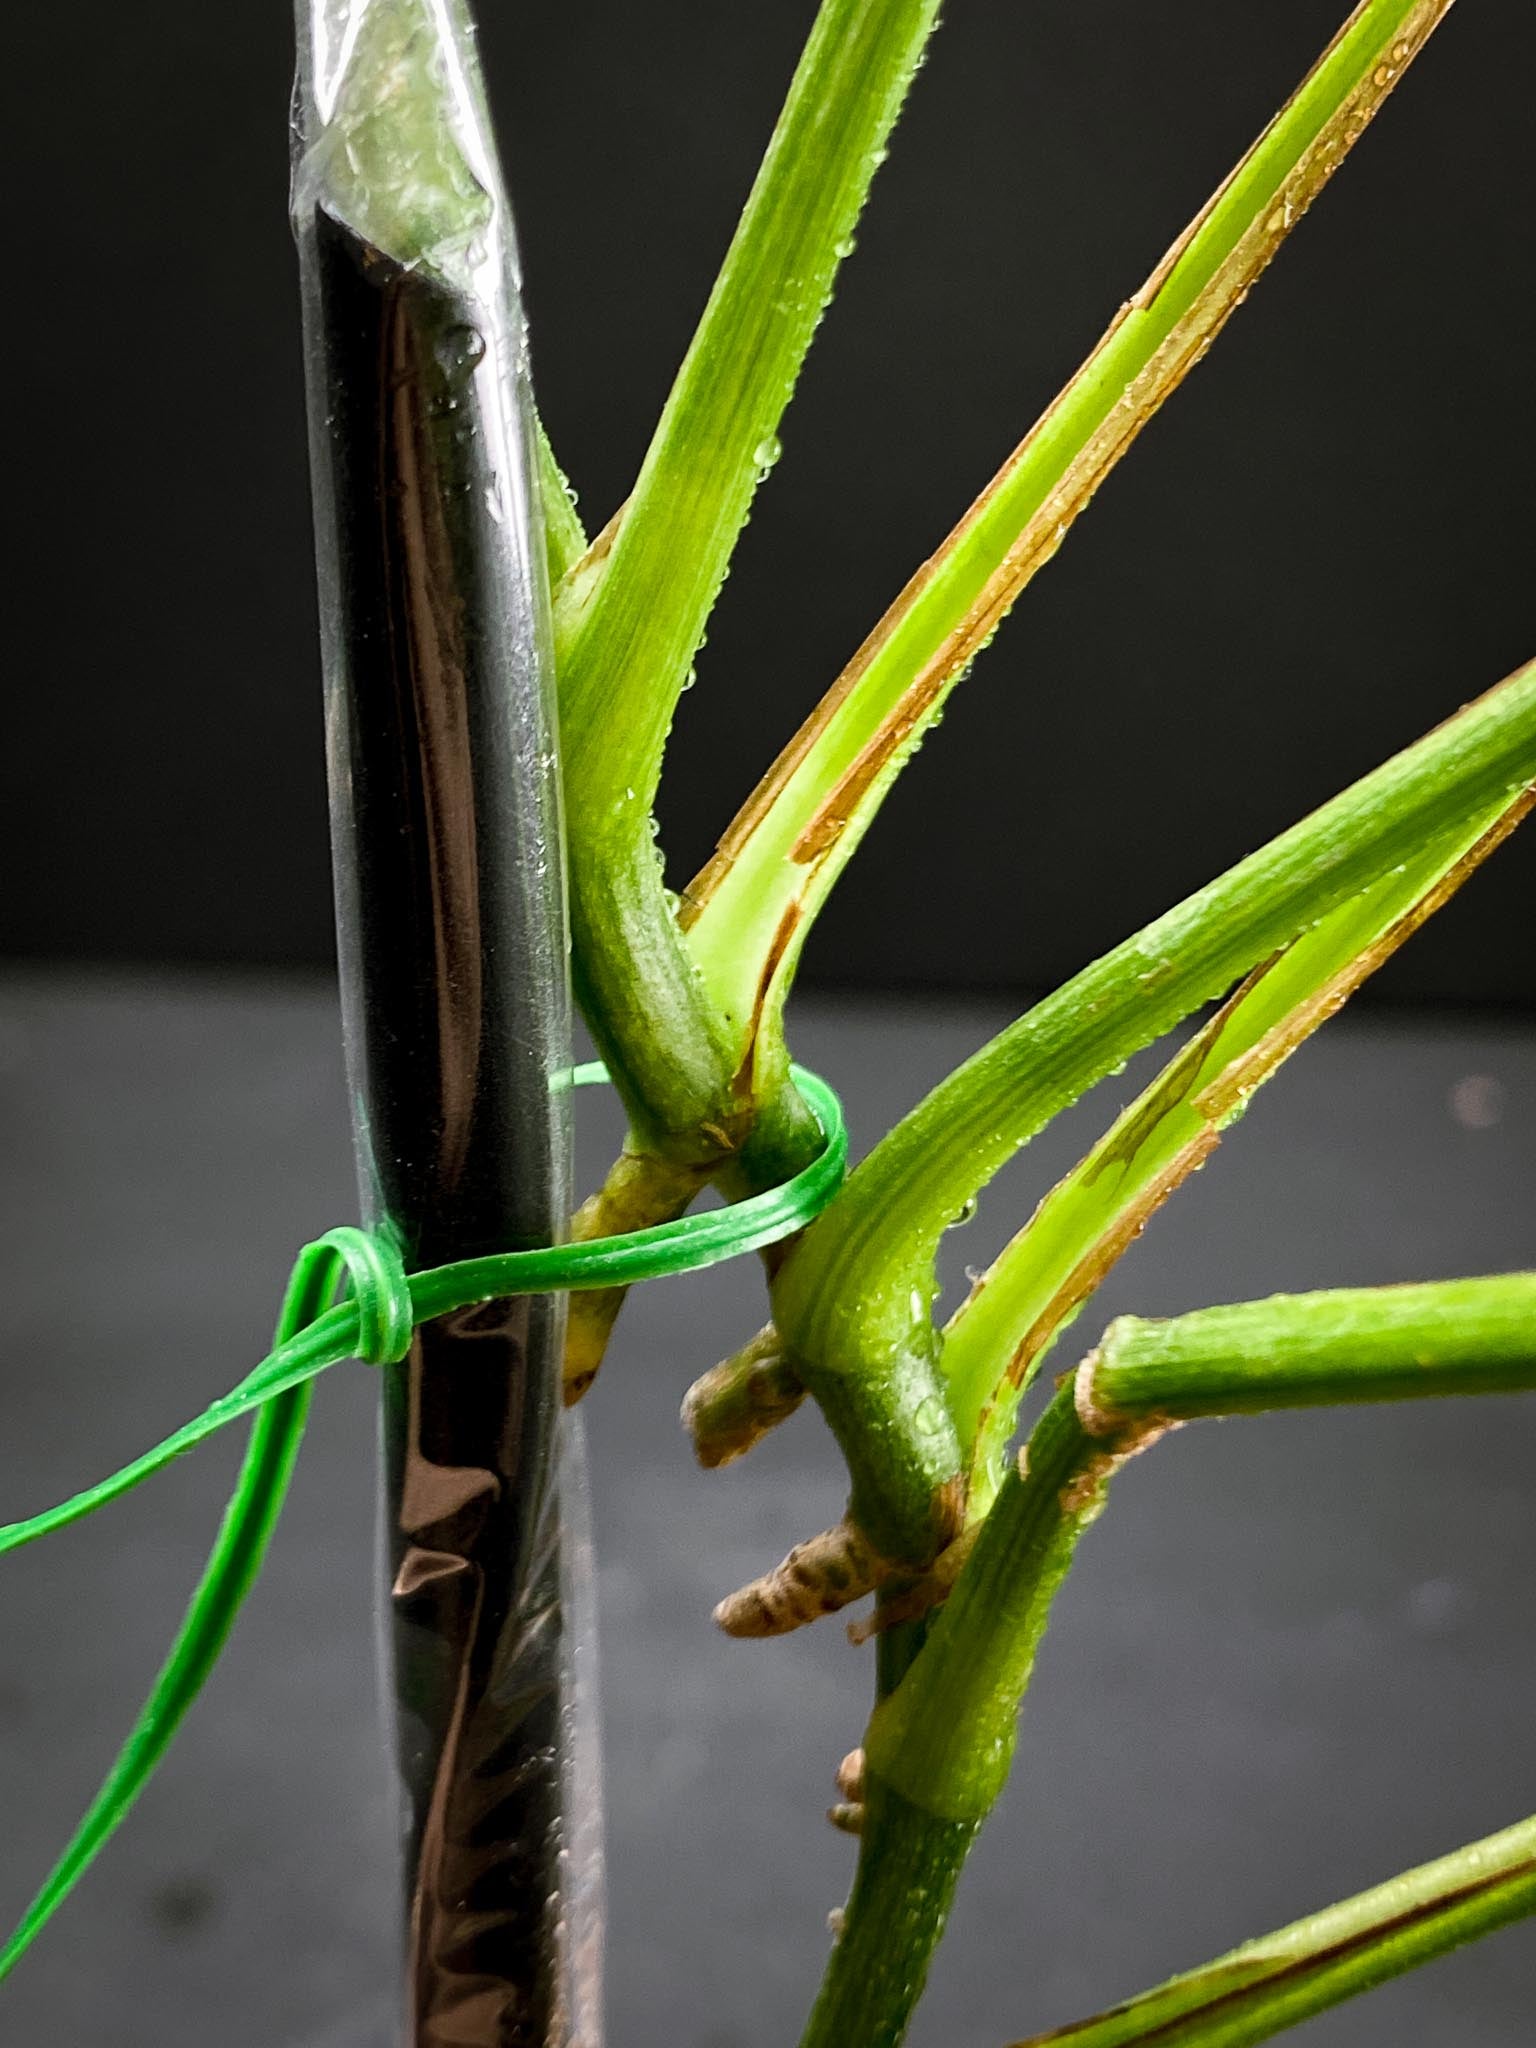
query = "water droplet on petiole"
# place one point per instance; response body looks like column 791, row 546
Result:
column 929, row 1418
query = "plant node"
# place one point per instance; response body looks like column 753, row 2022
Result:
column 912, row 1602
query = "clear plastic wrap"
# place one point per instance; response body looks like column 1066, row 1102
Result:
column 447, row 851
column 585, row 1876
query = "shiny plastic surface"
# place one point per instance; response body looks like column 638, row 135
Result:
column 451, row 933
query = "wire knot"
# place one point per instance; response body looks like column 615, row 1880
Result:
column 386, row 1315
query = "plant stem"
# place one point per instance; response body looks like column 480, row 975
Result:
column 1315, row 1350
column 940, row 1746
column 1284, row 1978
column 748, row 913
column 945, row 1737
column 628, row 633
column 909, row 1863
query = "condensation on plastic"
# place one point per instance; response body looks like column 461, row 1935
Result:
column 451, row 933
column 584, row 1887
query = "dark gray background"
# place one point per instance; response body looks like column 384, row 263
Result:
column 1319, row 550
column 1295, row 1656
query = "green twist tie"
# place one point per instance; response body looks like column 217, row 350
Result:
column 386, row 1304
column 379, row 1288
column 375, row 1324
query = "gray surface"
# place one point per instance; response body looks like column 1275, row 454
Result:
column 1296, row 1655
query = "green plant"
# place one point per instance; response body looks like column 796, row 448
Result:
column 924, row 1416
column 964, row 1546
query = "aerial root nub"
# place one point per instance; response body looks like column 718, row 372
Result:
column 737, row 1402
column 819, row 1577
column 848, row 1814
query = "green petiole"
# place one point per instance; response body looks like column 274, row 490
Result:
column 853, row 1301
column 1283, row 1978
column 1316, row 1350
column 748, row 913
column 1041, row 1280
column 628, row 629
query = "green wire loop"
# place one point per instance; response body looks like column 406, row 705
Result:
column 385, row 1318
column 374, row 1324
column 663, row 1249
